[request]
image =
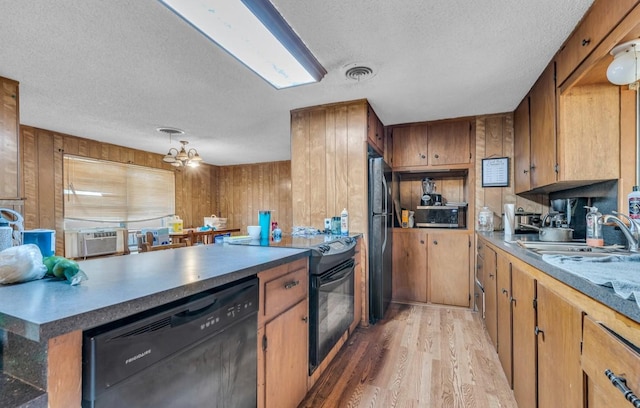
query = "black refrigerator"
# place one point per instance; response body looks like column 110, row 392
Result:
column 380, row 238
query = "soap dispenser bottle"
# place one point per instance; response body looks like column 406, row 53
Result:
column 594, row 227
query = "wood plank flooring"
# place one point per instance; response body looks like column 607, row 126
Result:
column 418, row 356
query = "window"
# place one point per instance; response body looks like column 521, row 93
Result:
column 101, row 193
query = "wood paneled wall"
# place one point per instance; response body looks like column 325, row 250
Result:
column 233, row 192
column 329, row 164
column 246, row 189
column 42, row 178
column 494, row 138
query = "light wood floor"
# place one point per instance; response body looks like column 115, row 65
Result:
column 419, row 356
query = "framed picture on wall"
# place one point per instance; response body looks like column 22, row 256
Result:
column 495, row 172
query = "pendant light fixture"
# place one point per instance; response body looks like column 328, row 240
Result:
column 182, row 157
column 624, row 69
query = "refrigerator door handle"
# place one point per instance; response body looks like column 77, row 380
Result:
column 386, row 211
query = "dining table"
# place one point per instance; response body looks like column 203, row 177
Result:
column 195, row 236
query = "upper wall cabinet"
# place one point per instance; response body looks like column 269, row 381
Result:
column 9, row 122
column 521, row 147
column 535, row 135
column 596, row 25
column 375, row 131
column 432, row 145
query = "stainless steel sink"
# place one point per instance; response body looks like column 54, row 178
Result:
column 573, row 249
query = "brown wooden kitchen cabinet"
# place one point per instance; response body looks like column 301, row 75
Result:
column 603, row 352
column 283, row 335
column 449, row 142
column 409, row 272
column 559, row 337
column 522, row 147
column 431, row 145
column 523, row 293
column 503, row 306
column 375, row 131
column 542, row 116
column 448, row 256
column 9, row 151
column 410, row 146
column 490, row 289
column 603, row 16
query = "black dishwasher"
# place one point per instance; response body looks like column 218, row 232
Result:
column 197, row 352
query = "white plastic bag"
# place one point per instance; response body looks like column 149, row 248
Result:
column 21, row 264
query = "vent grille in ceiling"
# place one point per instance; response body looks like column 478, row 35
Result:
column 359, row 73
column 170, row 131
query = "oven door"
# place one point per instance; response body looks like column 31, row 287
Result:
column 331, row 310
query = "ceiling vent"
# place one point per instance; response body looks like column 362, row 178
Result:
column 358, row 72
column 170, row 131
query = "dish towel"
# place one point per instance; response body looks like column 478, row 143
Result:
column 621, row 273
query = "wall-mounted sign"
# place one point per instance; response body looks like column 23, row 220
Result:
column 495, row 172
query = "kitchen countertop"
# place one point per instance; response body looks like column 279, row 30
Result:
column 121, row 286
column 291, row 241
column 602, row 294
column 117, row 287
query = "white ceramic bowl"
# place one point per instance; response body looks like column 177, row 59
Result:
column 254, row 231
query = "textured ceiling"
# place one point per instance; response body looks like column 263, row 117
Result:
column 116, row 70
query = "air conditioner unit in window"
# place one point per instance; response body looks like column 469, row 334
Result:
column 87, row 243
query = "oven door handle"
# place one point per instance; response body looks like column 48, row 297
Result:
column 336, row 277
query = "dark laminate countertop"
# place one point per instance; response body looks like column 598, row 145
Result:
column 603, row 294
column 124, row 285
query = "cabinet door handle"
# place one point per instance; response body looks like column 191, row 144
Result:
column 538, row 331
column 505, row 292
column 291, row 284
column 420, row 155
column 436, row 156
column 305, row 319
column 435, row 242
column 491, row 275
column 512, row 299
column 586, row 41
column 525, row 171
column 621, row 384
column 422, row 241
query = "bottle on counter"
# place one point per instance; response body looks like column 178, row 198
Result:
column 634, row 205
column 485, row 220
column 344, row 222
column 594, row 227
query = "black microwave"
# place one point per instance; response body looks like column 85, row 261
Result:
column 441, row 216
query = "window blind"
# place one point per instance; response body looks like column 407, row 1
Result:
column 104, row 191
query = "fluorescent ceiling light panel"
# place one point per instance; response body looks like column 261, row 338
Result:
column 256, row 34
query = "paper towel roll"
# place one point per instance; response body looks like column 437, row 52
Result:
column 509, row 219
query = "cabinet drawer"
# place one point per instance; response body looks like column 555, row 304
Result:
column 603, row 16
column 282, row 292
column 604, row 351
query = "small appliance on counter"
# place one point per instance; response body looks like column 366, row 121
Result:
column 524, row 219
column 429, row 195
column 441, row 216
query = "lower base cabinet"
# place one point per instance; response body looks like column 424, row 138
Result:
column 523, row 293
column 286, row 358
column 431, row 266
column 283, row 335
column 448, row 264
column 607, row 359
column 559, row 333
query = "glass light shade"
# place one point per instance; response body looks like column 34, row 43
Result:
column 623, row 69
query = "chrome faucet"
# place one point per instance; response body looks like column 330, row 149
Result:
column 633, row 226
column 633, row 242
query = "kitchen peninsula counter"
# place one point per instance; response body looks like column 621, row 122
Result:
column 602, row 294
column 35, row 315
